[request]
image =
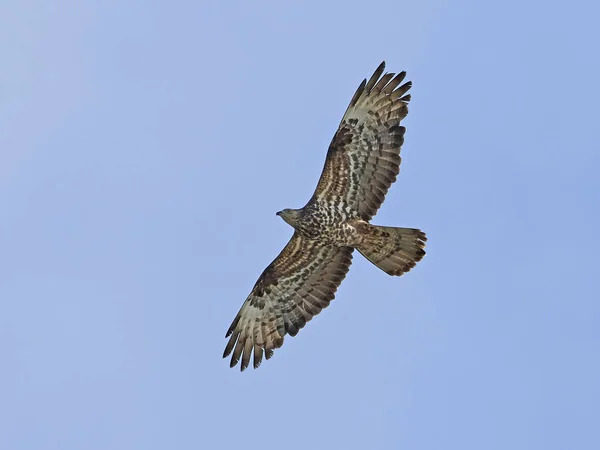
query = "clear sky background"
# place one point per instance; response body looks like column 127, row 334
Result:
column 144, row 150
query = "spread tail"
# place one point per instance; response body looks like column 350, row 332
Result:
column 393, row 250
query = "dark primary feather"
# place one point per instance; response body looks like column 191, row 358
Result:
column 375, row 76
column 363, row 159
column 294, row 288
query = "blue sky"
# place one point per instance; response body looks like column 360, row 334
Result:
column 144, row 150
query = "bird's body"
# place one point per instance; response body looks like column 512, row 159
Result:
column 362, row 162
column 327, row 225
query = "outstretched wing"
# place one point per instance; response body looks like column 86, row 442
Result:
column 363, row 159
column 293, row 289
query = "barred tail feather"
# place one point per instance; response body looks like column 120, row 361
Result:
column 393, row 250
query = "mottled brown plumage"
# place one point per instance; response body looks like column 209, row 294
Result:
column 362, row 162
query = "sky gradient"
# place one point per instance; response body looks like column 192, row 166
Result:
column 144, row 150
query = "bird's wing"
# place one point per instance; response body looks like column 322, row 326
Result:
column 363, row 159
column 293, row 289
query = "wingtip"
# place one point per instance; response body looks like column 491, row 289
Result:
column 375, row 77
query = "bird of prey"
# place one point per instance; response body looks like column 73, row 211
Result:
column 362, row 162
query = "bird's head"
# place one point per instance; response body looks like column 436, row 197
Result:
column 290, row 216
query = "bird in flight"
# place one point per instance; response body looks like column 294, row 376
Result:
column 362, row 162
